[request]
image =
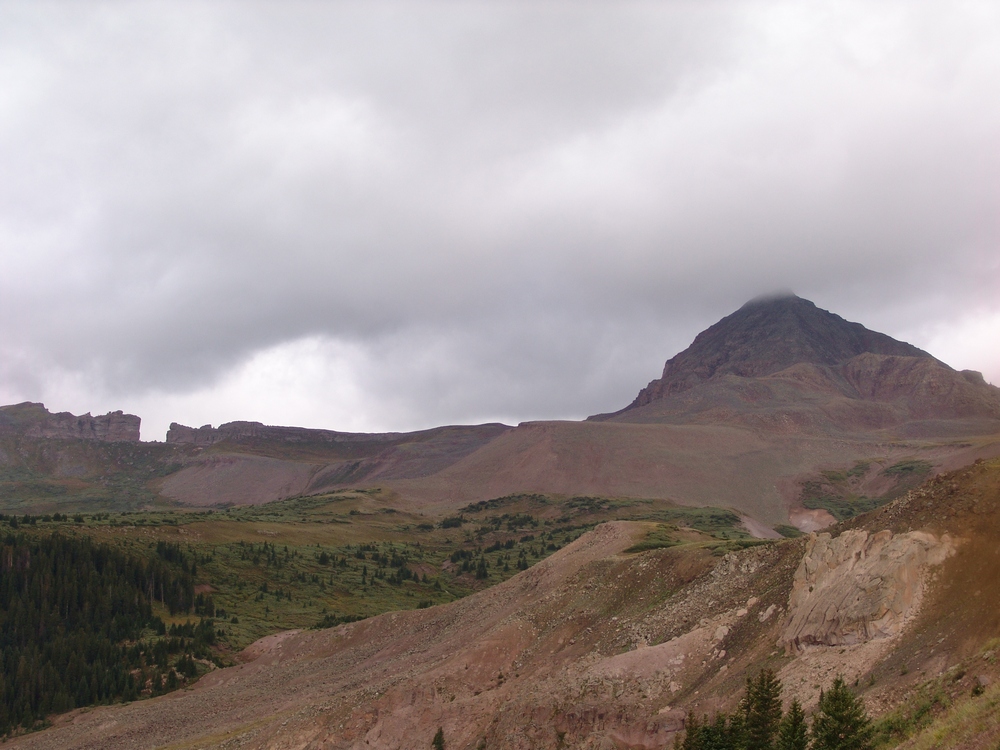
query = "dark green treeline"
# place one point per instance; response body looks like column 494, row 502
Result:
column 71, row 616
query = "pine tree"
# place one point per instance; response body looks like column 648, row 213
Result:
column 713, row 734
column 792, row 731
column 734, row 733
column 841, row 722
column 438, row 742
column 692, row 735
column 761, row 710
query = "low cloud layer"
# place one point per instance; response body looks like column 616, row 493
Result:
column 390, row 216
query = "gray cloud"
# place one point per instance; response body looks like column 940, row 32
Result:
column 499, row 210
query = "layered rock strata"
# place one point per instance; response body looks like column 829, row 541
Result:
column 859, row 586
column 34, row 420
column 784, row 352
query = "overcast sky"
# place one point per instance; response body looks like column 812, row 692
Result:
column 391, row 216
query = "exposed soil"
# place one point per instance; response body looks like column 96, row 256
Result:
column 238, row 479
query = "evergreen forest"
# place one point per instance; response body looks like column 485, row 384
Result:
column 77, row 625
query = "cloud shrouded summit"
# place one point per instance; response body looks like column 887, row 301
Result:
column 392, row 216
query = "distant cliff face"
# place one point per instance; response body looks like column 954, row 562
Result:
column 34, row 420
column 766, row 336
column 182, row 434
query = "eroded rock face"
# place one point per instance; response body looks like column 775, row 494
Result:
column 34, row 420
column 111, row 427
column 859, row 586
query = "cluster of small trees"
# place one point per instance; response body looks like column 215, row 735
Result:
column 29, row 520
column 840, row 722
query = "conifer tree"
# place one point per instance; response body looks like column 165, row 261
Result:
column 723, row 732
column 761, row 711
column 715, row 735
column 841, row 722
column 733, row 732
column 792, row 731
column 692, row 734
column 68, row 610
column 438, row 742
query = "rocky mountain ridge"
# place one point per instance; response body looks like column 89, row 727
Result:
column 789, row 337
column 34, row 420
column 246, row 431
column 761, row 402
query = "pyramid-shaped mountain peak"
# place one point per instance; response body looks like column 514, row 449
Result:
column 767, row 335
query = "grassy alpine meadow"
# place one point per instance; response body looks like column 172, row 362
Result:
column 209, row 582
column 322, row 560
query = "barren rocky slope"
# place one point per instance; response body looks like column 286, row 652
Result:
column 599, row 648
column 822, row 351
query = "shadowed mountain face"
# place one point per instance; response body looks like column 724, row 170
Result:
column 766, row 336
column 781, row 364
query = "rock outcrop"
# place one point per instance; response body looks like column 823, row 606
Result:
column 859, row 586
column 34, row 420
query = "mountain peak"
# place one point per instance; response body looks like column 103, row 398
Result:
column 775, row 298
column 766, row 335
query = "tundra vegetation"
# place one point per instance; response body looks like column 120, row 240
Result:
column 839, row 492
column 132, row 604
column 204, row 583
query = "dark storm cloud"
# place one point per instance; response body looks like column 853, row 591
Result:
column 486, row 210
